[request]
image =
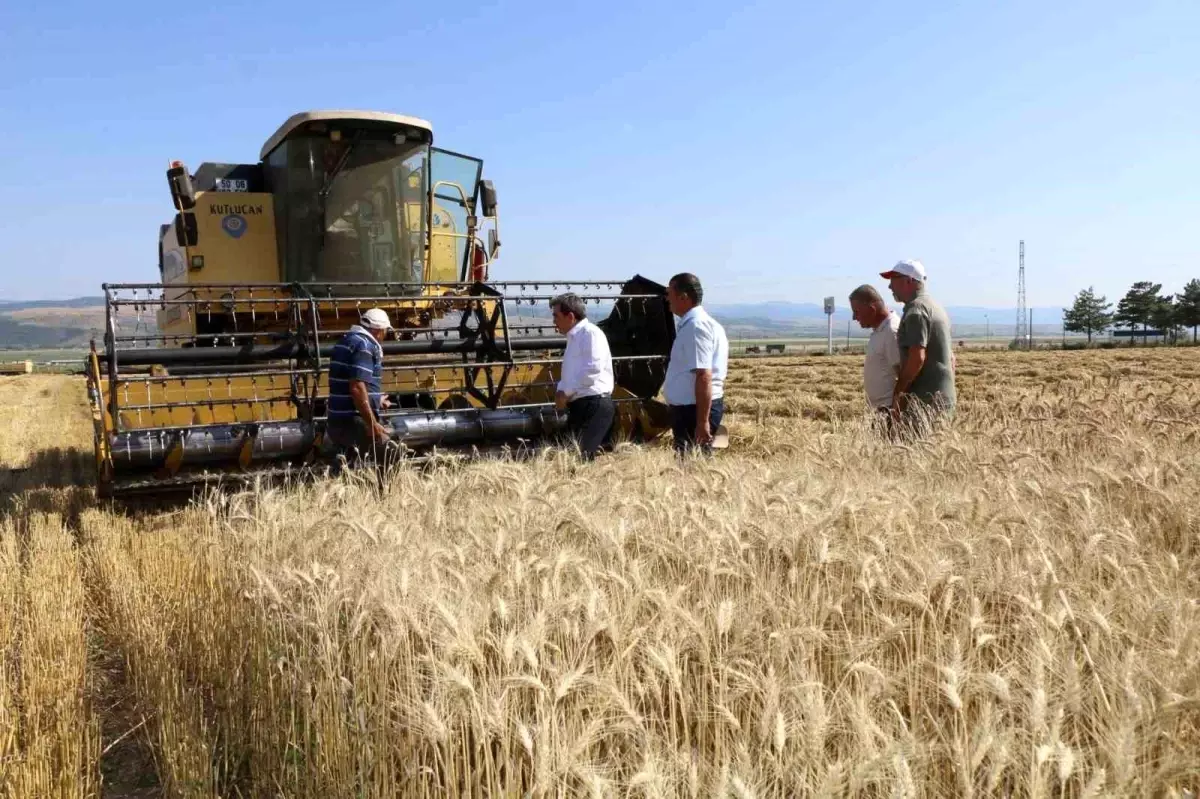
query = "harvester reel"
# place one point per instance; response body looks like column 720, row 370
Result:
column 181, row 410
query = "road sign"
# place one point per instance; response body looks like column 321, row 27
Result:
column 829, row 305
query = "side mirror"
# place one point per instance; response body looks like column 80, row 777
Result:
column 488, row 192
column 493, row 243
column 186, row 234
column 182, row 192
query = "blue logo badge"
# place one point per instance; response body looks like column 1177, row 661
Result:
column 234, row 225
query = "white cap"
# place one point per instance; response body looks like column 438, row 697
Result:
column 377, row 319
column 913, row 269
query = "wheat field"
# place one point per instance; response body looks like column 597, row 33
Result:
column 1010, row 609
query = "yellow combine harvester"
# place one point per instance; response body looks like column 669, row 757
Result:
column 218, row 371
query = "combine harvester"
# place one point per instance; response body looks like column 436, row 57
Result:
column 218, row 371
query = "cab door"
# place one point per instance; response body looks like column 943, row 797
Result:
column 454, row 190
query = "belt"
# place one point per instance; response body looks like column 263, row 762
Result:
column 714, row 401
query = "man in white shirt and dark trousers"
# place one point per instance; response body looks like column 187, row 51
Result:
column 882, row 365
column 695, row 383
column 586, row 383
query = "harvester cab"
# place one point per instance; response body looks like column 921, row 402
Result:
column 219, row 371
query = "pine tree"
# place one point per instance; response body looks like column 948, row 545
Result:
column 1136, row 306
column 1164, row 316
column 1090, row 314
column 1189, row 307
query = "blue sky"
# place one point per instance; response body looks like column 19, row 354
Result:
column 779, row 150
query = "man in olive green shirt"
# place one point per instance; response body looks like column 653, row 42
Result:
column 926, row 349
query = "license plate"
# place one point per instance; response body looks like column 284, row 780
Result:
column 233, row 184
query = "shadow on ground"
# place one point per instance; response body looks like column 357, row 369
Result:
column 56, row 467
column 56, row 480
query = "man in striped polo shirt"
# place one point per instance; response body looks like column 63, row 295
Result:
column 355, row 396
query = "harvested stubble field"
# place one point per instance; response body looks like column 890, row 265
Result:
column 1010, row 610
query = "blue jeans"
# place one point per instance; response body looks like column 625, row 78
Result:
column 683, row 425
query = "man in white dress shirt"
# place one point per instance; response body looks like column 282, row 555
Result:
column 586, row 384
column 695, row 383
column 882, row 365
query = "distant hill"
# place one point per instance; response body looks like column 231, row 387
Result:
column 37, row 324
column 42, row 324
column 783, row 311
column 969, row 314
column 16, row 335
column 7, row 306
column 773, row 311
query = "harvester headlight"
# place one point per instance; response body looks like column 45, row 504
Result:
column 197, row 262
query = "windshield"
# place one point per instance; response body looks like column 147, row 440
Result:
column 351, row 210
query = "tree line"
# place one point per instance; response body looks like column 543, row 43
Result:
column 1143, row 308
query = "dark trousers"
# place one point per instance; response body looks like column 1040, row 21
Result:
column 351, row 438
column 683, row 425
column 589, row 422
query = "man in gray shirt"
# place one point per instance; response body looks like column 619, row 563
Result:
column 926, row 350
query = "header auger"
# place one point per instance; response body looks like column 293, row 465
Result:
column 219, row 371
